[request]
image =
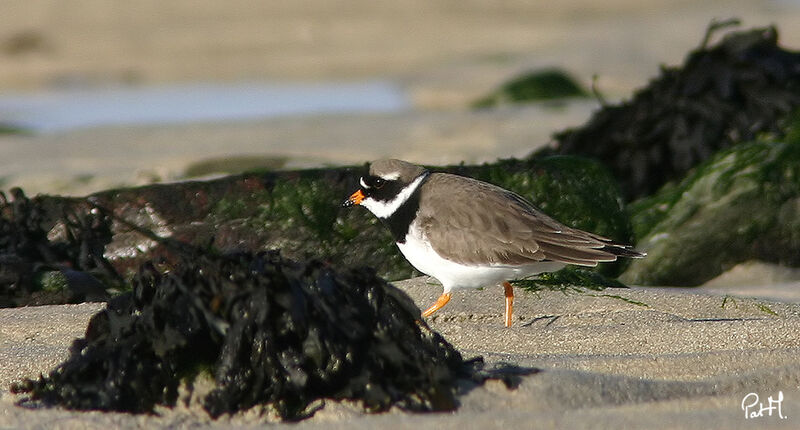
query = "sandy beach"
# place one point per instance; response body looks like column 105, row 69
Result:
column 621, row 358
column 628, row 358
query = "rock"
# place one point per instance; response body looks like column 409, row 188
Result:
column 740, row 205
column 546, row 84
column 721, row 96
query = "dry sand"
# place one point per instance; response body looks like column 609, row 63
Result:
column 625, row 358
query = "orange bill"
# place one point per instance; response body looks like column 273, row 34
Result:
column 354, row 199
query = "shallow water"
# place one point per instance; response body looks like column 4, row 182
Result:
column 68, row 109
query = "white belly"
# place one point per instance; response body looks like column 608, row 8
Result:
column 453, row 275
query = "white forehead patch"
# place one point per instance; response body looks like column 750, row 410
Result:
column 391, row 176
column 363, row 184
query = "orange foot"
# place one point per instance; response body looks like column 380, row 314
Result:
column 440, row 302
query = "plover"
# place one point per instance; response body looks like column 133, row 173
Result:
column 469, row 234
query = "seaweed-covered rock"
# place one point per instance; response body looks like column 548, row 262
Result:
column 38, row 246
column 547, row 84
column 272, row 331
column 297, row 212
column 722, row 95
column 741, row 205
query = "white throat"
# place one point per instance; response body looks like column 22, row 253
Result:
column 386, row 209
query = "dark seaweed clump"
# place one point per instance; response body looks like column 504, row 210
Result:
column 547, row 84
column 723, row 95
column 271, row 330
column 28, row 252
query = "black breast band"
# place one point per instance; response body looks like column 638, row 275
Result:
column 400, row 221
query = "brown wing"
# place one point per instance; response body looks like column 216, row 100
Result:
column 472, row 222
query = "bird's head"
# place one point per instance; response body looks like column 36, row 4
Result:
column 388, row 185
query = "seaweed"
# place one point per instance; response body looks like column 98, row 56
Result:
column 725, row 94
column 545, row 84
column 30, row 252
column 272, row 331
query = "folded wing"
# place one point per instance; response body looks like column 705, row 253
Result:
column 485, row 224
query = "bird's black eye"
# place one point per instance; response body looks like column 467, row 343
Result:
column 378, row 183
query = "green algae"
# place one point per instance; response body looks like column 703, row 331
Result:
column 52, row 281
column 740, row 205
column 766, row 309
column 546, row 84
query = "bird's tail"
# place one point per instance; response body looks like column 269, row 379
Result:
column 623, row 251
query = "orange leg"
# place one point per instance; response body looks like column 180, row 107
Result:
column 440, row 302
column 509, row 292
